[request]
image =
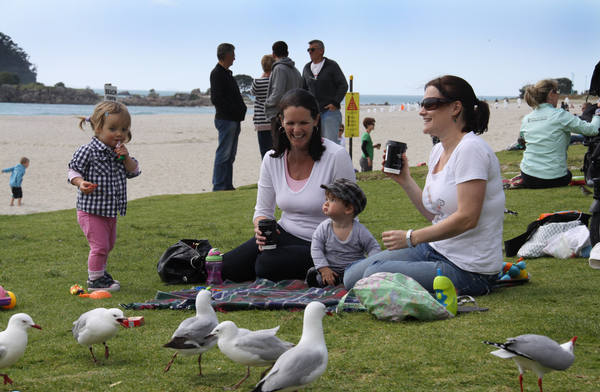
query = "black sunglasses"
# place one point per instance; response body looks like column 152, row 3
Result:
column 310, row 50
column 434, row 103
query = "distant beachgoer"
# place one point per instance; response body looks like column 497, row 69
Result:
column 519, row 102
column 325, row 80
column 100, row 169
column 547, row 132
column 366, row 145
column 230, row 111
column 496, row 103
column 259, row 89
column 341, row 137
column 505, row 103
column 16, row 179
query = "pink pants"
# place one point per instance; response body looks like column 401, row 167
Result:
column 101, row 233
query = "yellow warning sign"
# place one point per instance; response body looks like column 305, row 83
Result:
column 352, row 128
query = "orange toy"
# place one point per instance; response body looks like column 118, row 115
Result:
column 97, row 294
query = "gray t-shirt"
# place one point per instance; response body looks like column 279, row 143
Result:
column 328, row 250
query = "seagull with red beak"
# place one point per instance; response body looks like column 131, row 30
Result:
column 98, row 326
column 13, row 341
column 536, row 353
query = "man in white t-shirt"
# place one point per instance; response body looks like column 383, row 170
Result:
column 326, row 81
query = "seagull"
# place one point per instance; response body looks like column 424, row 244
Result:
column 300, row 366
column 190, row 338
column 249, row 348
column 536, row 353
column 98, row 326
column 13, row 341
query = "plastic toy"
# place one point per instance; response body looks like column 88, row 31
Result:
column 7, row 299
column 513, row 271
column 97, row 294
column 445, row 292
column 77, row 289
column 120, row 157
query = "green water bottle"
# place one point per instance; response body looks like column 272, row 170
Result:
column 445, row 292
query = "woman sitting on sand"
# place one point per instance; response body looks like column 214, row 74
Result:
column 547, row 132
column 290, row 178
column 462, row 198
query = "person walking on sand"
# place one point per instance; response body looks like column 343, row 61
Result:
column 326, row 81
column 230, row 112
column 16, row 178
column 100, row 169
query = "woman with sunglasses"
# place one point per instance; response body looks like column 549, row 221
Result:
column 462, row 198
column 290, row 179
column 547, row 132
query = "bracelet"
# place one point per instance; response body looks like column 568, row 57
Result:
column 408, row 234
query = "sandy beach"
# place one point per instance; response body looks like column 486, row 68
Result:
column 176, row 152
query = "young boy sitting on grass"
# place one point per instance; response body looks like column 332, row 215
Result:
column 340, row 240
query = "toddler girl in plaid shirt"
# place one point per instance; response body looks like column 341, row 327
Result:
column 100, row 170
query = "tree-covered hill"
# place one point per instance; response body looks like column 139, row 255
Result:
column 15, row 60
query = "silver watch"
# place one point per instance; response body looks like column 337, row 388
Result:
column 408, row 234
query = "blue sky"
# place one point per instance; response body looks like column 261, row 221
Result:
column 390, row 47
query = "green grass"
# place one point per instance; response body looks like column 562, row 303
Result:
column 42, row 255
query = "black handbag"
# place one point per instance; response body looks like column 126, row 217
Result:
column 183, row 262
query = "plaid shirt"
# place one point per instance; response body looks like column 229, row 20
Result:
column 97, row 164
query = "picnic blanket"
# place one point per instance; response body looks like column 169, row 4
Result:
column 262, row 294
column 266, row 294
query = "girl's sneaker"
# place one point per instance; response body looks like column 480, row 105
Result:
column 103, row 283
column 110, row 277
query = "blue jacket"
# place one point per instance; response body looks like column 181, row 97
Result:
column 16, row 178
column 547, row 132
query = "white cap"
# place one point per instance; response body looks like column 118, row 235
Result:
column 595, row 257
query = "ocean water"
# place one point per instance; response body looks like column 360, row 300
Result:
column 38, row 109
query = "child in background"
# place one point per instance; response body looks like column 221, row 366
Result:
column 16, row 178
column 366, row 145
column 102, row 183
column 340, row 240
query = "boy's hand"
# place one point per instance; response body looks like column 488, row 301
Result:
column 327, row 276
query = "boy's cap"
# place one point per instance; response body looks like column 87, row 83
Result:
column 349, row 191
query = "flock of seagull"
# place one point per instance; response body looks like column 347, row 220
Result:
column 289, row 367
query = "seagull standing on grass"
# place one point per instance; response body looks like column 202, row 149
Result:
column 536, row 353
column 190, row 338
column 98, row 326
column 297, row 368
column 13, row 341
column 249, row 348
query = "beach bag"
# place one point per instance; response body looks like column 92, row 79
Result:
column 183, row 262
column 514, row 245
column 393, row 297
column 568, row 244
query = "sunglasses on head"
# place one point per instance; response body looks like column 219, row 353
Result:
column 434, row 103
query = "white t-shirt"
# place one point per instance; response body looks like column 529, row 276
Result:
column 302, row 210
column 480, row 249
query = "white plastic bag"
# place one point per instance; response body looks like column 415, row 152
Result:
column 568, row 244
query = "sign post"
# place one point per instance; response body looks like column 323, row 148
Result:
column 352, row 127
column 110, row 92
